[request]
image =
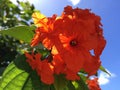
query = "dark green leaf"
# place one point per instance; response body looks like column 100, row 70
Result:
column 36, row 82
column 70, row 86
column 28, row 85
column 60, row 82
column 20, row 62
column 84, row 78
column 82, row 71
column 15, row 79
column 23, row 33
column 104, row 70
column 80, row 85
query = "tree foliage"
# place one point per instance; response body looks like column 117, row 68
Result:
column 12, row 15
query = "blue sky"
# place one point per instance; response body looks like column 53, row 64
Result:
column 109, row 12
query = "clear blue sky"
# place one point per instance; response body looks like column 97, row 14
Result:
column 110, row 14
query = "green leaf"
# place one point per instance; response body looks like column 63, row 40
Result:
column 60, row 82
column 83, row 77
column 35, row 80
column 104, row 70
column 80, row 84
column 20, row 62
column 76, row 85
column 70, row 86
column 15, row 79
column 23, row 33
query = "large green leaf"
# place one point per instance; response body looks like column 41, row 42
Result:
column 23, row 33
column 15, row 79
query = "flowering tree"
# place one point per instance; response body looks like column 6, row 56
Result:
column 64, row 53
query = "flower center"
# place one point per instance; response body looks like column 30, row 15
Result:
column 73, row 43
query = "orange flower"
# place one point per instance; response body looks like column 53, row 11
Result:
column 72, row 52
column 43, row 68
column 92, row 65
column 61, row 68
column 93, row 84
column 39, row 19
column 81, row 33
column 44, row 30
column 33, row 60
column 36, row 40
column 59, row 64
column 46, row 72
column 71, row 75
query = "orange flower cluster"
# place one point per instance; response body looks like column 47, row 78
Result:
column 75, row 40
column 93, row 84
